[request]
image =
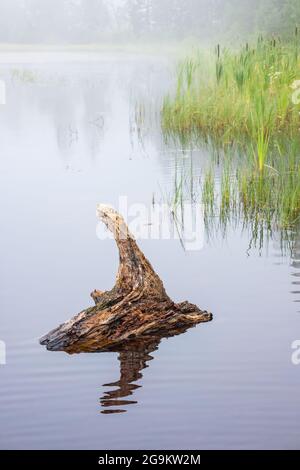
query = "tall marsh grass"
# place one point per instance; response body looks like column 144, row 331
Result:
column 246, row 104
column 233, row 96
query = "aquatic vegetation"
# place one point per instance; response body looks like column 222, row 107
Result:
column 270, row 198
column 245, row 106
column 25, row 76
column 208, row 190
column 237, row 96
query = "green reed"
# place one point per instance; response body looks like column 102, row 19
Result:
column 244, row 104
column 270, row 198
column 234, row 95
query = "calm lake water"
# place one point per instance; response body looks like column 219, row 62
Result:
column 73, row 134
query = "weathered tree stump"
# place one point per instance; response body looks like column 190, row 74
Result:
column 136, row 306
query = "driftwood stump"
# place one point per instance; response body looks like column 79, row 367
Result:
column 137, row 306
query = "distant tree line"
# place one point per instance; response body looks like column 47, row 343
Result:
column 212, row 18
column 83, row 21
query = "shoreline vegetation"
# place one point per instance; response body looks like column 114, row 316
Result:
column 245, row 106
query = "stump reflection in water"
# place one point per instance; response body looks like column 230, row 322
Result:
column 133, row 356
column 133, row 359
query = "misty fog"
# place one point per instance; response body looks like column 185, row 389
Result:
column 96, row 21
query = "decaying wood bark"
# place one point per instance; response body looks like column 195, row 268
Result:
column 136, row 306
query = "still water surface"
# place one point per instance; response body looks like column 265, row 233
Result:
column 72, row 135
